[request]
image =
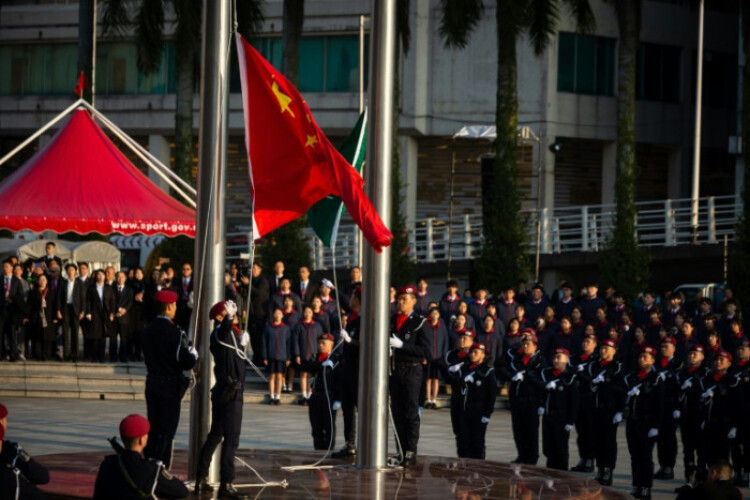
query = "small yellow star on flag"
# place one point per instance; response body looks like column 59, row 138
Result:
column 311, row 141
column 284, row 100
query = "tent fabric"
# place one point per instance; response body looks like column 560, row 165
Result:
column 94, row 251
column 476, row 132
column 81, row 182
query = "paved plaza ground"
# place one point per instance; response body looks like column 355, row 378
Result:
column 45, row 426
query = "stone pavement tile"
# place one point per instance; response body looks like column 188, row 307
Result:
column 45, row 426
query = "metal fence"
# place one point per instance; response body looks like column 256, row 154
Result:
column 567, row 229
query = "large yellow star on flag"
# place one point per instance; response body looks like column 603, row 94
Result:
column 284, row 100
column 311, row 141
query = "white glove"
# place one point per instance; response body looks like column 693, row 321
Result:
column 456, row 367
column 336, row 405
column 231, row 308
column 617, row 418
column 518, row 377
column 708, row 394
column 676, row 414
column 551, row 385
column 396, row 342
column 687, row 384
column 662, row 376
column 652, row 433
column 540, row 410
column 485, row 420
column 599, row 378
column 580, row 368
column 634, row 391
column 345, row 336
column 244, row 339
column 193, row 352
column 568, row 427
column 469, row 378
column 328, row 364
column 732, row 433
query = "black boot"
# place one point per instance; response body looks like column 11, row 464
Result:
column 347, row 451
column 645, row 494
column 410, row 458
column 635, row 492
column 588, row 466
column 606, row 477
column 202, row 486
column 580, row 466
column 744, row 480
column 664, row 473
column 599, row 474
column 228, row 491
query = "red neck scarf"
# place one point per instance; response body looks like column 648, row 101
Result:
column 462, row 354
column 719, row 375
column 605, row 362
column 400, row 320
column 585, row 356
column 664, row 363
column 322, row 356
column 642, row 374
column 473, row 366
column 526, row 360
column 556, row 373
column 692, row 369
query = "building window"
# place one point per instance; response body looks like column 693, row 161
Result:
column 117, row 72
column 658, row 73
column 586, row 64
column 719, row 79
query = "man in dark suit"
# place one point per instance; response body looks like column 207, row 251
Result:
column 305, row 287
column 122, row 323
column 185, row 288
column 50, row 256
column 259, row 297
column 100, row 312
column 12, row 309
column 275, row 281
column 71, row 305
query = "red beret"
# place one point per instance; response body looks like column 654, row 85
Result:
column 648, row 350
column 3, row 411
column 744, row 343
column 479, row 346
column 697, row 347
column 591, row 336
column 469, row 333
column 134, row 426
column 610, row 343
column 724, row 354
column 530, row 336
column 165, row 297
column 529, row 331
column 669, row 340
column 408, row 289
column 216, row 309
column 562, row 350
column 327, row 336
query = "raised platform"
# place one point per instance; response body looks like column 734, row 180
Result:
column 72, row 476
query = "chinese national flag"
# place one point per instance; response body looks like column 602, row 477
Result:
column 292, row 163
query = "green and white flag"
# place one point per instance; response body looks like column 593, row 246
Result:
column 325, row 215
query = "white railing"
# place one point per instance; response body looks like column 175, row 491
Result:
column 566, row 229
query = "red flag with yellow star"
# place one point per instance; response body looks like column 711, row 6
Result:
column 292, row 163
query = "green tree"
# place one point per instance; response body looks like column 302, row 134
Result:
column 623, row 263
column 504, row 257
column 739, row 256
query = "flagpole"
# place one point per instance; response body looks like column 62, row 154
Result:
column 372, row 424
column 210, row 236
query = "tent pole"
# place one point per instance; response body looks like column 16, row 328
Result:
column 130, row 142
column 41, row 131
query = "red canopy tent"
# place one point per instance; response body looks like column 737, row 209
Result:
column 80, row 181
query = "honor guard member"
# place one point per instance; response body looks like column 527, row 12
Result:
column 604, row 381
column 666, row 443
column 522, row 368
column 409, row 347
column 19, row 473
column 479, row 391
column 126, row 475
column 585, row 420
column 167, row 353
column 559, row 408
column 454, row 360
column 645, row 398
column 741, row 445
column 228, row 350
column 350, row 374
column 722, row 402
column 326, row 397
column 690, row 407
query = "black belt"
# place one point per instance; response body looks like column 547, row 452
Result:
column 401, row 364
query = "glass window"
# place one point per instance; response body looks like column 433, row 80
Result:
column 586, row 64
column 342, row 64
column 658, row 73
column 312, row 64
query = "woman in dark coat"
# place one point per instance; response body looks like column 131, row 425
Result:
column 42, row 318
column 138, row 284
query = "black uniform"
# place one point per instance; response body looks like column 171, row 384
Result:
column 478, row 394
column 560, row 401
column 454, row 358
column 350, row 379
column 525, row 398
column 226, row 400
column 19, row 474
column 722, row 404
column 608, row 399
column 326, row 391
column 741, row 445
column 645, row 404
column 585, row 419
column 166, row 355
column 129, row 476
column 666, row 442
column 691, row 417
column 406, row 378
